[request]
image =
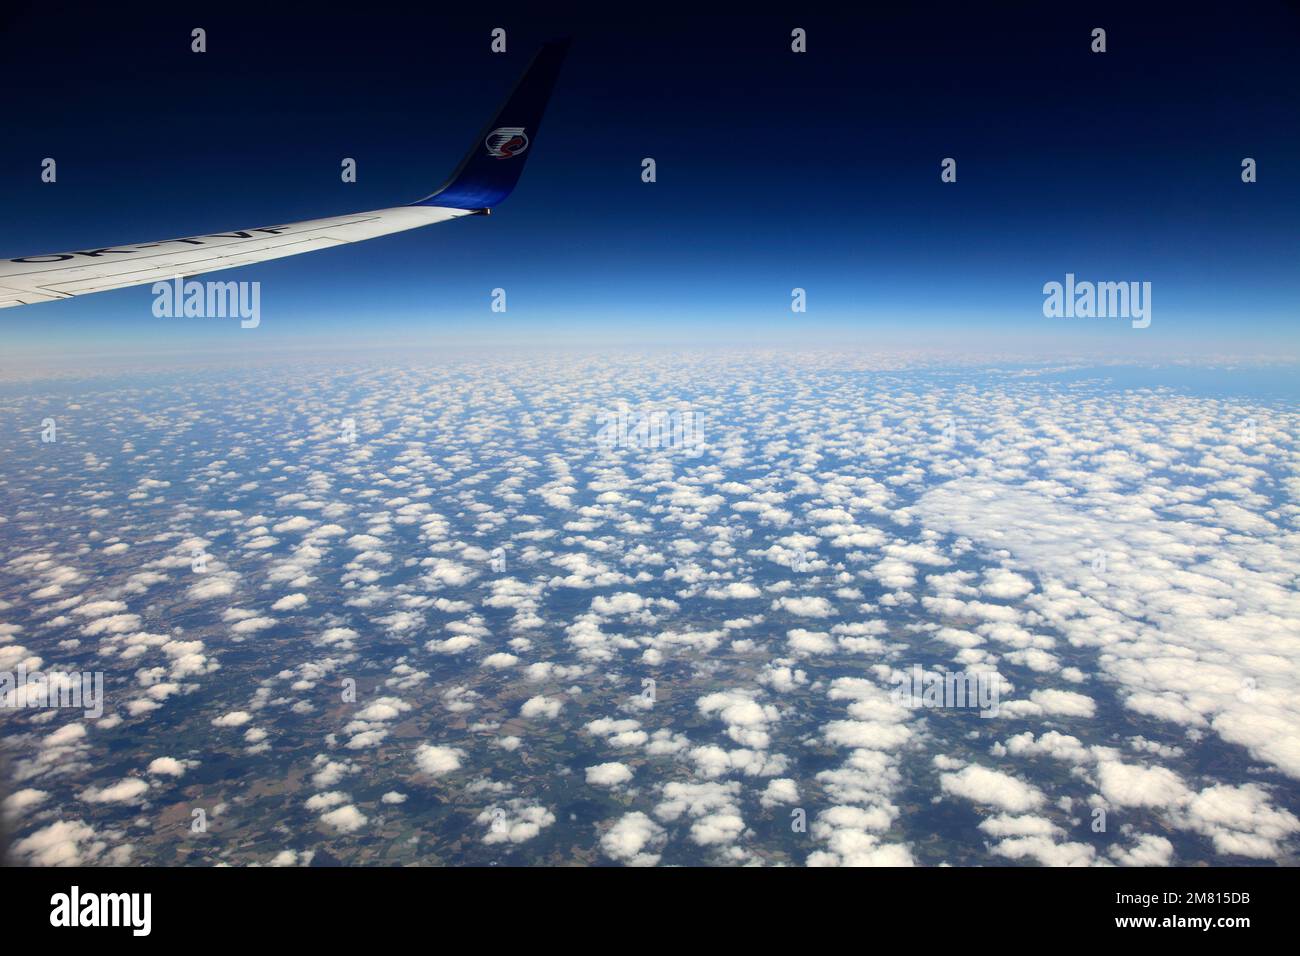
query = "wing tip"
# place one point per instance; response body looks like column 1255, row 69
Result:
column 492, row 166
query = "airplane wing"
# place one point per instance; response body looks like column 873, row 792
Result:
column 485, row 177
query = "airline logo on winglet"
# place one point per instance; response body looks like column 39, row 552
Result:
column 506, row 141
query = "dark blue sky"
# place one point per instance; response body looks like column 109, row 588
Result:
column 775, row 170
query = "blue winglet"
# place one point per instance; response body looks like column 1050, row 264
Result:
column 491, row 168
